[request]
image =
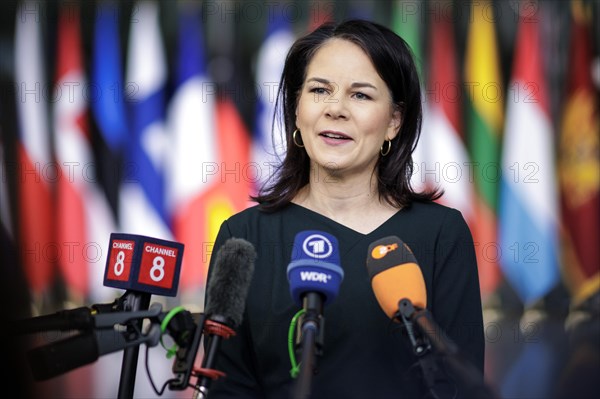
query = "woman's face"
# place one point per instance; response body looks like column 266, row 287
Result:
column 344, row 110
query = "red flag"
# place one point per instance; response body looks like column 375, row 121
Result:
column 234, row 149
column 227, row 194
column 444, row 144
column 36, row 171
column 84, row 218
column 70, row 126
column 579, row 166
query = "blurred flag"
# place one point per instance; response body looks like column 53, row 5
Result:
column 194, row 164
column 361, row 10
column 84, row 220
column 444, row 145
column 269, row 136
column 320, row 12
column 230, row 193
column 407, row 18
column 528, row 194
column 143, row 198
column 142, row 202
column 35, row 167
column 579, row 165
column 108, row 106
column 484, row 118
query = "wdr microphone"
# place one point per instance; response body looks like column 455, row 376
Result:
column 315, row 266
column 226, row 294
column 395, row 275
column 315, row 275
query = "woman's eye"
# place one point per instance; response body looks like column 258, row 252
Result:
column 318, row 90
column 361, row 96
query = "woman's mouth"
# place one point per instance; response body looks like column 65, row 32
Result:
column 335, row 136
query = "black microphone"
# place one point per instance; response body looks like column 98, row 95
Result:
column 315, row 275
column 398, row 285
column 64, row 320
column 226, row 294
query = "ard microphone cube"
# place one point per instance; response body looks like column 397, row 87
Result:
column 143, row 264
column 315, row 266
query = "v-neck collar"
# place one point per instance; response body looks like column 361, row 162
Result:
column 342, row 227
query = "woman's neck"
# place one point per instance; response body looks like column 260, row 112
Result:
column 350, row 202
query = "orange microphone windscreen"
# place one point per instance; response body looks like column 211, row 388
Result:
column 395, row 275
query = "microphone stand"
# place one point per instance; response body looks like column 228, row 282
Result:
column 430, row 335
column 134, row 302
column 310, row 331
column 107, row 328
column 100, row 334
column 216, row 330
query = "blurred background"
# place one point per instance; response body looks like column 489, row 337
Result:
column 154, row 118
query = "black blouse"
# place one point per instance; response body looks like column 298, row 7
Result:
column 365, row 354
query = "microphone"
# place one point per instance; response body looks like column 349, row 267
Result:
column 65, row 320
column 225, row 302
column 398, row 285
column 315, row 275
column 143, row 266
column 395, row 274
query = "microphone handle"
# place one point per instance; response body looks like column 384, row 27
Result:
column 443, row 345
column 60, row 357
column 467, row 373
column 135, row 301
column 307, row 361
column 64, row 320
column 186, row 356
column 310, row 330
column 208, row 363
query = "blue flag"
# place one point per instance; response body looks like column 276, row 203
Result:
column 108, row 104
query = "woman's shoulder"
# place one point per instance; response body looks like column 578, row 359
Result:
column 250, row 211
column 433, row 216
column 432, row 210
column 255, row 224
column 255, row 215
column 246, row 215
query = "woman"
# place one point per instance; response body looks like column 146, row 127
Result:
column 352, row 115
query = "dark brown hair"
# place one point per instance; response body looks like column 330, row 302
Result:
column 394, row 62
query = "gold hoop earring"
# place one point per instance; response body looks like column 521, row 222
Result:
column 295, row 140
column 389, row 148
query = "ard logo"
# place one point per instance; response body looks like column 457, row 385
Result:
column 317, row 246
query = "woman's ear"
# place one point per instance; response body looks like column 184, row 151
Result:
column 395, row 123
